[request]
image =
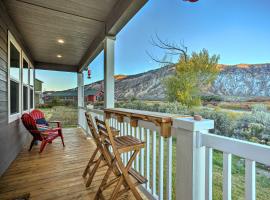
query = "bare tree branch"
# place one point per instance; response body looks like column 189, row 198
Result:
column 158, row 60
column 171, row 49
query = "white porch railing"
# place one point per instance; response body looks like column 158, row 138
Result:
column 194, row 150
column 251, row 152
column 194, row 160
column 151, row 160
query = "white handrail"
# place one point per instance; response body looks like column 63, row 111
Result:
column 248, row 150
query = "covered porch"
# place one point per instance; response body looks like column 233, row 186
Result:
column 61, row 36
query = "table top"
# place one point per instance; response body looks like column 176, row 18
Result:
column 164, row 117
column 164, row 120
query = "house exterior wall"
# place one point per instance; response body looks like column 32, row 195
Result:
column 12, row 135
column 91, row 98
column 38, row 85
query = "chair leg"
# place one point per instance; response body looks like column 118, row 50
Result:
column 103, row 183
column 62, row 137
column 126, row 176
column 93, row 172
column 31, row 145
column 42, row 146
column 117, row 188
column 90, row 162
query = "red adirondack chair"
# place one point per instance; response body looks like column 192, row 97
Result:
column 45, row 135
column 39, row 117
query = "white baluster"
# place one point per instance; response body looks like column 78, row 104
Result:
column 250, row 180
column 138, row 156
column 133, row 135
column 142, row 153
column 227, row 176
column 154, row 148
column 161, row 167
column 169, row 168
column 208, row 173
column 148, row 158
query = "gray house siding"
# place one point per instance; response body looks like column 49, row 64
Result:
column 12, row 135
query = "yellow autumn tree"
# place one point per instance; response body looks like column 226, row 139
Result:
column 193, row 73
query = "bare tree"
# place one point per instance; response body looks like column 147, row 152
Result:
column 169, row 48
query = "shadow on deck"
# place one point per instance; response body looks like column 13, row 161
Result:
column 54, row 174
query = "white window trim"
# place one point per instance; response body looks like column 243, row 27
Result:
column 24, row 57
column 32, row 87
column 13, row 117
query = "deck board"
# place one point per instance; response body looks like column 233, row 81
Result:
column 54, row 174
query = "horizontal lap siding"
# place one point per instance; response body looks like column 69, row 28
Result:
column 3, row 73
column 12, row 135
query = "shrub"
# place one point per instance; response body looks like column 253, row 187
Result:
column 209, row 98
column 259, row 108
column 44, row 106
column 254, row 126
column 224, row 124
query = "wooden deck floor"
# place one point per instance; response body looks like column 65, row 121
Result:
column 54, row 174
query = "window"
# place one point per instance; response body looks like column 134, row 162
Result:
column 25, row 98
column 31, row 81
column 14, row 77
column 20, row 84
column 25, row 78
column 31, row 98
column 14, row 97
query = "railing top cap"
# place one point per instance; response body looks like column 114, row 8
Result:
column 193, row 125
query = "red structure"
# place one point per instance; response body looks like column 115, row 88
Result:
column 89, row 73
column 41, row 132
column 92, row 96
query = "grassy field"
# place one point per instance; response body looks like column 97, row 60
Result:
column 67, row 115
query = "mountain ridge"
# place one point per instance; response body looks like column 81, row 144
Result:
column 241, row 80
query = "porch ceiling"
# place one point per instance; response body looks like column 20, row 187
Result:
column 82, row 24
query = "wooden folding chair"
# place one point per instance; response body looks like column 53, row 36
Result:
column 126, row 179
column 99, row 154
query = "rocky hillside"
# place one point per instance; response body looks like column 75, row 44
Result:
column 234, row 80
column 243, row 80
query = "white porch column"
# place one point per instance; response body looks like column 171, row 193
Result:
column 109, row 72
column 190, row 158
column 80, row 85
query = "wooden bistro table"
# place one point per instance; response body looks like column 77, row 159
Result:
column 163, row 120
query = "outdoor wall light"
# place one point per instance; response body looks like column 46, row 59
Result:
column 61, row 41
column 59, row 56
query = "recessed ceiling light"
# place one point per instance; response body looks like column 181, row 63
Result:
column 61, row 41
column 59, row 56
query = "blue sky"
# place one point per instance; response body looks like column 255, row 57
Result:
column 236, row 30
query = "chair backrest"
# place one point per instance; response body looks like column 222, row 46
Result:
column 30, row 124
column 37, row 114
column 103, row 133
column 39, row 117
column 92, row 128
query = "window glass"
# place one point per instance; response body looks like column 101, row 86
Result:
column 31, row 98
column 14, row 97
column 25, row 97
column 25, row 72
column 14, row 63
column 31, row 77
column 14, row 79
